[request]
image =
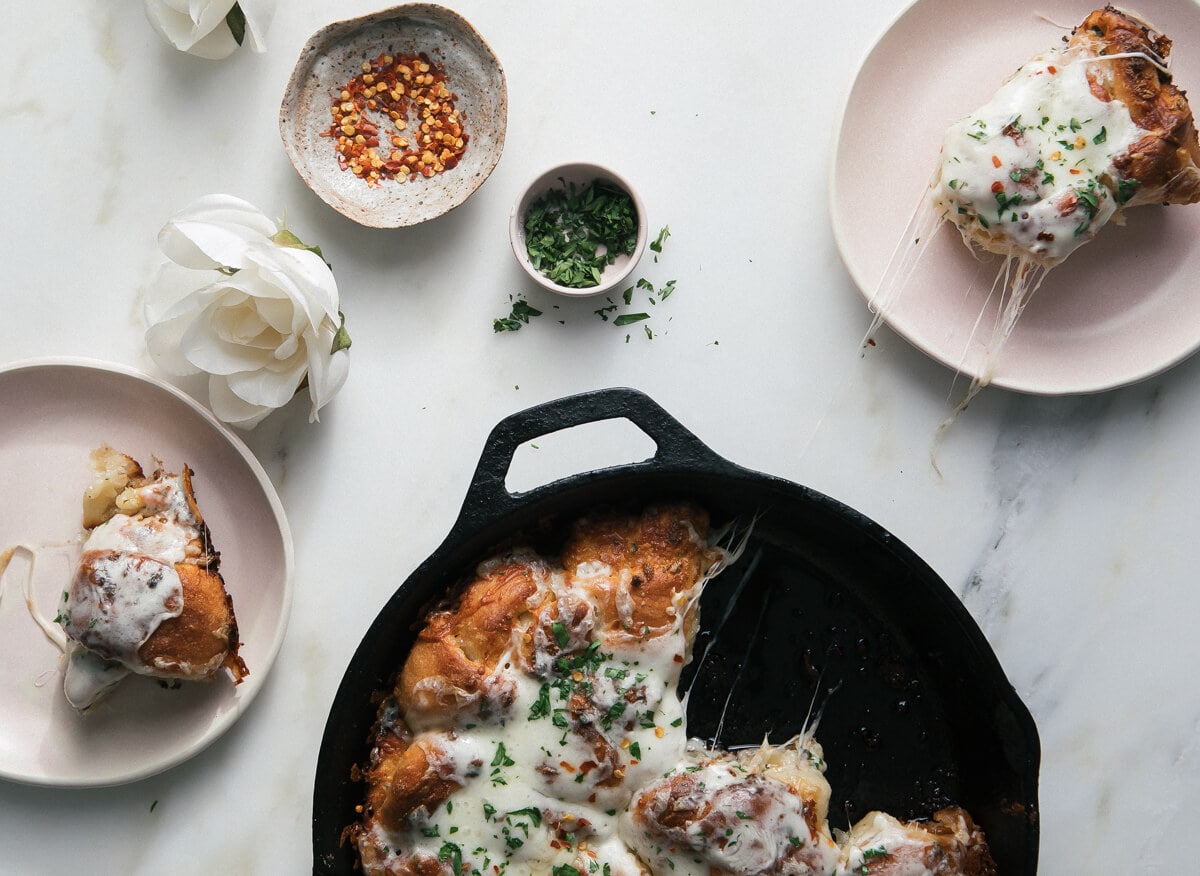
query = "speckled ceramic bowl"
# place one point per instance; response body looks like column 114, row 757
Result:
column 334, row 55
column 579, row 173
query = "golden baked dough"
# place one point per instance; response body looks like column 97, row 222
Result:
column 148, row 596
column 1165, row 160
column 536, row 728
column 203, row 638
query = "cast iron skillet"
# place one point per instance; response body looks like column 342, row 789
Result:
column 824, row 607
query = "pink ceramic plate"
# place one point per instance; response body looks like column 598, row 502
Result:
column 52, row 414
column 1122, row 308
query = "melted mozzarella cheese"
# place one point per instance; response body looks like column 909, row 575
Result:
column 1032, row 170
column 535, row 793
column 118, row 600
column 89, row 678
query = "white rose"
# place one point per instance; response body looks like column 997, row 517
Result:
column 264, row 320
column 212, row 28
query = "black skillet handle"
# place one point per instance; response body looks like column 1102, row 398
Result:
column 675, row 446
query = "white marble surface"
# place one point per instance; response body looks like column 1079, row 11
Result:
column 1064, row 523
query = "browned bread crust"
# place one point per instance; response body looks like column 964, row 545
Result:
column 1166, row 160
column 201, row 639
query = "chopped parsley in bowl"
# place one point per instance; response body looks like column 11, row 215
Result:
column 578, row 229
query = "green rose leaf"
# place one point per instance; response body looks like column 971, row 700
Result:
column 236, row 19
column 283, row 237
column 341, row 338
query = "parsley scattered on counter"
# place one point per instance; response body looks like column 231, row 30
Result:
column 521, row 312
column 657, row 244
column 603, row 312
column 572, row 234
column 628, row 318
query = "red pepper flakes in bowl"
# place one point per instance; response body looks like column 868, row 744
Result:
column 401, row 91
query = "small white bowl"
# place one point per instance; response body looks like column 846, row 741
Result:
column 580, row 173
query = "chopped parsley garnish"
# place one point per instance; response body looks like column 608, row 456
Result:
column 561, row 636
column 452, row 853
column 541, row 706
column 531, row 812
column 1126, row 189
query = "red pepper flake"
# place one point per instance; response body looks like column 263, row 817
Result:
column 997, row 187
column 995, row 161
column 1051, row 69
column 409, row 92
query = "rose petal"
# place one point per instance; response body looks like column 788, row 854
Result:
column 215, row 231
column 163, row 342
column 233, row 410
column 171, row 285
column 242, row 324
column 209, row 352
column 326, row 373
column 304, row 277
column 197, row 27
column 278, row 313
column 215, row 46
column 268, row 386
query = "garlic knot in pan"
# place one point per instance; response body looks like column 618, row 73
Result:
column 147, row 596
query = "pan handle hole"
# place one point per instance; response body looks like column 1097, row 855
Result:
column 576, row 450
